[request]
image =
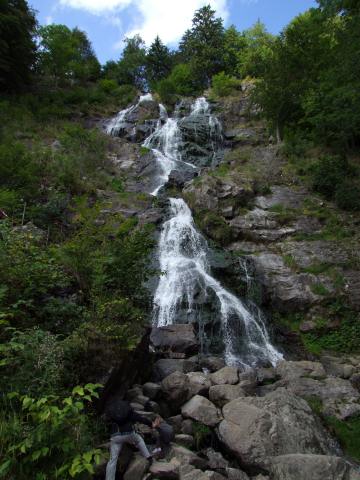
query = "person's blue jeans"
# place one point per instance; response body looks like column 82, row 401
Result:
column 116, row 443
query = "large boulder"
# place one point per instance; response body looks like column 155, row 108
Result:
column 137, row 468
column 175, row 388
column 175, row 338
column 202, row 410
column 225, row 376
column 165, row 366
column 314, row 467
column 199, row 384
column 165, row 470
column 291, row 370
column 256, row 429
column 212, row 363
column 220, row 395
column 186, row 457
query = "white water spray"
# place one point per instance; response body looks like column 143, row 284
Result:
column 183, row 255
column 116, row 123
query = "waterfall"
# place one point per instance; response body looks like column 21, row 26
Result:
column 184, row 252
column 164, row 143
column 115, row 124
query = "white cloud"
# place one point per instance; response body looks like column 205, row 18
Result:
column 49, row 20
column 166, row 18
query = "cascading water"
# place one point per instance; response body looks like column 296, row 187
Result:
column 117, row 122
column 164, row 143
column 183, row 256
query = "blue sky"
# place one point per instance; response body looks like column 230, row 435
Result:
column 107, row 22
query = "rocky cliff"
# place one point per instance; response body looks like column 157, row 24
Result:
column 281, row 248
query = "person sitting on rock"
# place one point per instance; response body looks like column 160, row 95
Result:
column 164, row 438
column 122, row 424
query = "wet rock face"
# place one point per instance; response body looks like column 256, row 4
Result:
column 175, row 338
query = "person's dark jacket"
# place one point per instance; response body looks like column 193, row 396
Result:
column 127, row 424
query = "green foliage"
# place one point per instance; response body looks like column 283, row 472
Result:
column 33, row 361
column 202, row 435
column 17, row 45
column 130, row 69
column 48, row 436
column 67, row 55
column 214, row 226
column 257, row 51
column 347, row 195
column 200, row 46
column 328, row 173
column 158, row 61
column 348, row 434
column 224, row 85
column 344, row 339
column 179, row 82
column 29, row 276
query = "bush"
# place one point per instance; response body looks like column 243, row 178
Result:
column 107, row 85
column 224, row 85
column 347, row 195
column 179, row 82
column 328, row 173
column 48, row 437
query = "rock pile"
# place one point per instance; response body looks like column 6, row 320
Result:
column 241, row 425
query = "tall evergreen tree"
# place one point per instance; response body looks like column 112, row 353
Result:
column 17, row 45
column 202, row 45
column 158, row 61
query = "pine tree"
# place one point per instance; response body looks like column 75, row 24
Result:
column 202, row 45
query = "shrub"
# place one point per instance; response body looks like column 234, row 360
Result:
column 224, row 85
column 328, row 173
column 50, row 436
column 107, row 85
column 347, row 195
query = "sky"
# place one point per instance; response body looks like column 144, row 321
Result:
column 108, row 22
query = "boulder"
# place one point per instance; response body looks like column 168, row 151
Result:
column 220, row 395
column 184, row 440
column 314, row 467
column 186, row 456
column 202, row 410
column 215, row 460
column 165, row 366
column 187, row 426
column 175, row 388
column 151, row 390
column 176, row 423
column 291, row 370
column 286, row 290
column 211, row 363
column 175, row 338
column 225, row 376
column 137, row 468
column 255, row 429
column 199, row 384
column 166, row 470
column 236, row 474
column 200, row 475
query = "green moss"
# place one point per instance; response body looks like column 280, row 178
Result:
column 348, row 434
column 317, row 268
column 290, row 262
column 214, row 226
column 344, row 339
column 319, row 289
column 221, row 171
column 144, row 151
